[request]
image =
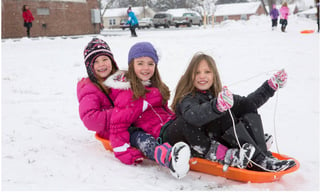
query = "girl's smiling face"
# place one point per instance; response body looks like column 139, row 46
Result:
column 144, row 68
column 203, row 79
column 102, row 67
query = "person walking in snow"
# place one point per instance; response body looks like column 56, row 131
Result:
column 28, row 18
column 95, row 99
column 203, row 103
column 284, row 12
column 133, row 22
column 274, row 14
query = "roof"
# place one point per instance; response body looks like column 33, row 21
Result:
column 118, row 12
column 178, row 12
column 237, row 8
column 309, row 11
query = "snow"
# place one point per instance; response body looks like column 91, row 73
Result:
column 45, row 146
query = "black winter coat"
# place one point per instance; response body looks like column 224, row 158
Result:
column 200, row 110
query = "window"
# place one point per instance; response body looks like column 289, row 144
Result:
column 112, row 21
column 43, row 11
column 225, row 17
column 243, row 17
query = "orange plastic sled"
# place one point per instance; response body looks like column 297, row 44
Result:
column 308, row 31
column 214, row 168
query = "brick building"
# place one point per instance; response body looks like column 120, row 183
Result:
column 52, row 18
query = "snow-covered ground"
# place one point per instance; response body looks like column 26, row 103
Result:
column 45, row 146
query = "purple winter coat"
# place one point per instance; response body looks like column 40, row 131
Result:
column 94, row 107
column 274, row 13
column 130, row 112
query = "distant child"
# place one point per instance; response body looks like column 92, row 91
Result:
column 133, row 22
column 284, row 12
column 142, row 103
column 203, row 103
column 27, row 18
column 95, row 99
column 274, row 14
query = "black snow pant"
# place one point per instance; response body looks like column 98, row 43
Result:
column 284, row 24
column 274, row 22
column 28, row 25
column 133, row 30
column 196, row 137
column 143, row 141
column 249, row 129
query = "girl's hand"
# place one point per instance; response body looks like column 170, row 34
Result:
column 224, row 100
column 278, row 80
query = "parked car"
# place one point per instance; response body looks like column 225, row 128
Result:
column 189, row 19
column 162, row 19
column 123, row 24
column 145, row 22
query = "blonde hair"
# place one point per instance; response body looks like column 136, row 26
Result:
column 139, row 89
column 185, row 85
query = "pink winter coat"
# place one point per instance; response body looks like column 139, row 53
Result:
column 284, row 12
column 94, row 107
column 130, row 112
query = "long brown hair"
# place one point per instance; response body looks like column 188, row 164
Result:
column 139, row 89
column 185, row 85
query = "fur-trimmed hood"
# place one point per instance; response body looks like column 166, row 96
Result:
column 119, row 81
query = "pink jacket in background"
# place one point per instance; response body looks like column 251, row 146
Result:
column 130, row 112
column 94, row 107
column 284, row 12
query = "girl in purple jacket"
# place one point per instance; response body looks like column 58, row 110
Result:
column 95, row 99
column 274, row 14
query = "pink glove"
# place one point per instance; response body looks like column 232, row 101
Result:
column 130, row 156
column 224, row 100
column 278, row 80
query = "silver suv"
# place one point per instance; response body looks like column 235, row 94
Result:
column 189, row 18
column 162, row 19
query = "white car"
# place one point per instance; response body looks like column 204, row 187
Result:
column 145, row 23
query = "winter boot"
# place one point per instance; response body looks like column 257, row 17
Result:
column 230, row 157
column 175, row 158
column 272, row 164
column 239, row 157
column 269, row 140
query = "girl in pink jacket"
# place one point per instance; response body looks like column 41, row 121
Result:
column 95, row 99
column 142, row 103
column 284, row 12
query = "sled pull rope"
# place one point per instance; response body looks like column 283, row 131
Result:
column 274, row 122
column 235, row 133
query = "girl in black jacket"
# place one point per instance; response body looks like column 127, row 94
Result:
column 202, row 107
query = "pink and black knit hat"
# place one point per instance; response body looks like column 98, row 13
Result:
column 95, row 48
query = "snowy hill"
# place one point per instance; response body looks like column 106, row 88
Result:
column 45, row 146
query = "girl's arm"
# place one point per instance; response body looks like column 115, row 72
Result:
column 196, row 113
column 91, row 114
column 124, row 114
